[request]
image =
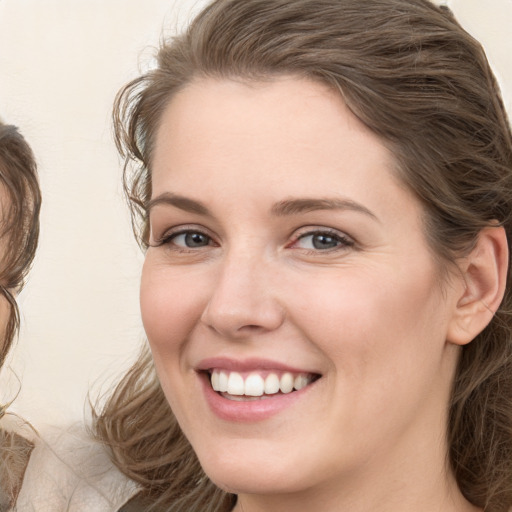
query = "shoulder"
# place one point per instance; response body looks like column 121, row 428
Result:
column 15, row 449
column 69, row 471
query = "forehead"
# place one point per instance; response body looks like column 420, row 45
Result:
column 289, row 135
column 289, row 122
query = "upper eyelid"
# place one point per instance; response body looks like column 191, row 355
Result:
column 345, row 240
column 311, row 230
column 185, row 228
column 179, row 230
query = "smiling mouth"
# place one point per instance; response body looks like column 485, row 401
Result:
column 257, row 385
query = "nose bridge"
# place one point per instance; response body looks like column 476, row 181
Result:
column 242, row 300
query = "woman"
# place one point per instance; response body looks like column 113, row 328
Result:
column 57, row 470
column 21, row 202
column 324, row 193
column 19, row 220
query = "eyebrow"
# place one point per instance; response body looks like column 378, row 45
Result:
column 287, row 207
column 181, row 202
column 304, row 205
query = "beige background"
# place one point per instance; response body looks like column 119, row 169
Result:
column 61, row 63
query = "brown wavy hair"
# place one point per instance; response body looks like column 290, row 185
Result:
column 20, row 201
column 411, row 74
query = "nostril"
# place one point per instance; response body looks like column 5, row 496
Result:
column 246, row 315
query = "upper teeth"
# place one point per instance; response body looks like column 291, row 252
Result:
column 254, row 384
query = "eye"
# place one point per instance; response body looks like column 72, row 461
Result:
column 185, row 239
column 322, row 241
column 190, row 239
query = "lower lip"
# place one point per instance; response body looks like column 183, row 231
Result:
column 251, row 410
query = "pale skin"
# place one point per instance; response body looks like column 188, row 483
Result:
column 279, row 230
column 5, row 307
column 4, row 317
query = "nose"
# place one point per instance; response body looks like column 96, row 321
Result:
column 243, row 302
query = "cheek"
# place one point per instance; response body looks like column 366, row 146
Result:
column 170, row 306
column 172, row 301
column 5, row 313
column 385, row 340
column 365, row 319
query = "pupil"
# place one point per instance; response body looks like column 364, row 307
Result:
column 324, row 241
column 195, row 240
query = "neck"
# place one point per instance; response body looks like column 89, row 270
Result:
column 449, row 500
column 411, row 478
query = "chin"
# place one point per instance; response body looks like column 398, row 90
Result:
column 257, row 473
column 251, row 482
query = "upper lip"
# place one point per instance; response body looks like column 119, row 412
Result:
column 247, row 365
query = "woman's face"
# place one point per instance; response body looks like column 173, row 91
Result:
column 5, row 312
column 284, row 251
column 5, row 308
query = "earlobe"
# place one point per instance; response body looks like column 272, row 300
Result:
column 484, row 273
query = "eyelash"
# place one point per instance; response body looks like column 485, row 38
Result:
column 342, row 241
column 168, row 237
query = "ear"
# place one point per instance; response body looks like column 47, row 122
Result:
column 484, row 275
